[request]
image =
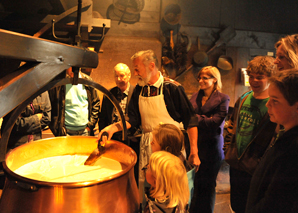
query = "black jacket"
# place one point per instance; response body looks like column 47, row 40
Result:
column 274, row 185
column 57, row 97
column 28, row 122
column 177, row 104
column 107, row 107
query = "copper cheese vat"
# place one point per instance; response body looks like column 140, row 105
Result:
column 116, row 193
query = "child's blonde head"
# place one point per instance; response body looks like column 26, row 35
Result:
column 169, row 137
column 171, row 182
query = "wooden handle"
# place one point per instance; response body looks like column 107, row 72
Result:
column 172, row 41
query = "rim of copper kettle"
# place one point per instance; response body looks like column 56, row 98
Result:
column 78, row 184
column 55, row 83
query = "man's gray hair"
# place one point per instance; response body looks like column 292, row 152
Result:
column 146, row 55
column 122, row 66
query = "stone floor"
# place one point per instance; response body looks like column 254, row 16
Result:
column 222, row 202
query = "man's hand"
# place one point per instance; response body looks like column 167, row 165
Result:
column 195, row 160
column 111, row 129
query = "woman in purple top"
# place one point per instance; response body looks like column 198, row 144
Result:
column 211, row 107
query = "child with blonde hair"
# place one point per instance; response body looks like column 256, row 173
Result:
column 169, row 185
column 168, row 137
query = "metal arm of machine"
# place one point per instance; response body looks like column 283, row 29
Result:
column 48, row 59
column 29, row 48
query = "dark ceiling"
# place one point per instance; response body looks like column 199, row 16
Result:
column 24, row 16
column 272, row 16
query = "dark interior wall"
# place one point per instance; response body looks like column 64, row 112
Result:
column 258, row 25
column 270, row 16
column 257, row 29
column 119, row 50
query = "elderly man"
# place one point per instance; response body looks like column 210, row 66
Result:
column 157, row 99
column 122, row 93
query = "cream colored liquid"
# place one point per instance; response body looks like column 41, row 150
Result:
column 69, row 168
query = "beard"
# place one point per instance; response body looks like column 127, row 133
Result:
column 144, row 81
column 141, row 82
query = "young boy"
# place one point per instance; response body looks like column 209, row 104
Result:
column 250, row 131
column 274, row 185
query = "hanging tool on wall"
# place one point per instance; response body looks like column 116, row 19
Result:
column 172, row 45
column 224, row 37
column 200, row 58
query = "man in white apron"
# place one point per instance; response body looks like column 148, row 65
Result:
column 156, row 99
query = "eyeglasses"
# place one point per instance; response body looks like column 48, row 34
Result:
column 204, row 78
column 144, row 169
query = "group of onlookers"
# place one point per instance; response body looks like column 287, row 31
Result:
column 253, row 146
column 261, row 145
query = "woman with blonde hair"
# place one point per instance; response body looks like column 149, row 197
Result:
column 169, row 185
column 287, row 52
column 211, row 107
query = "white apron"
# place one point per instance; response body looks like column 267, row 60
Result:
column 153, row 111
